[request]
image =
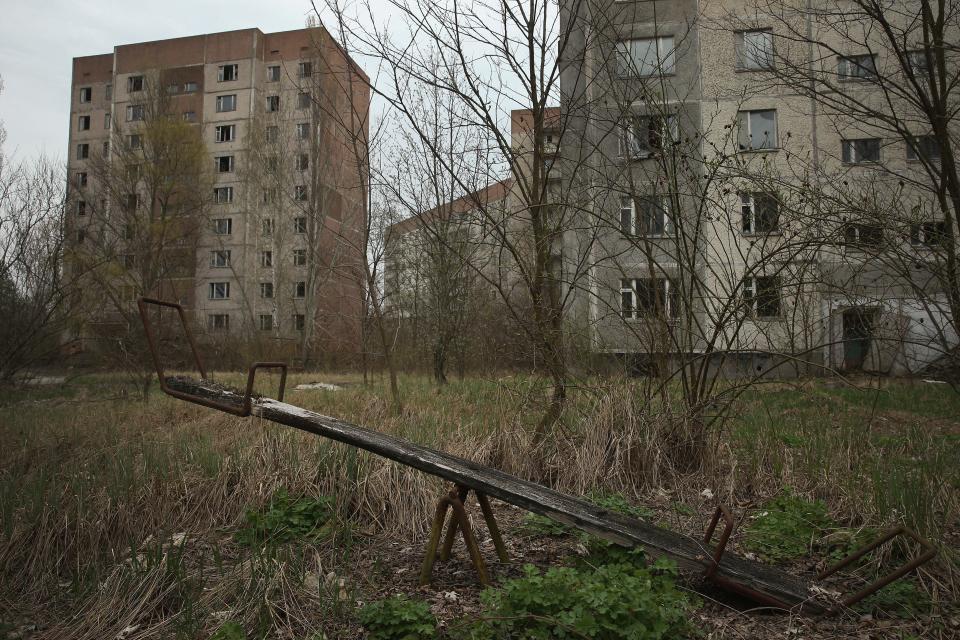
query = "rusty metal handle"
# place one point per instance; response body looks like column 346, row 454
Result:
column 929, row 552
column 724, row 538
column 245, row 404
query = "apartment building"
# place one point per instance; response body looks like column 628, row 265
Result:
column 696, row 156
column 273, row 250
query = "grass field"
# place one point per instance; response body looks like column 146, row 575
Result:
column 120, row 518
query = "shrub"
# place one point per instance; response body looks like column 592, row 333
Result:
column 611, row 602
column 785, row 527
column 398, row 618
column 287, row 518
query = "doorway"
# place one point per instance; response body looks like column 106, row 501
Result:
column 858, row 324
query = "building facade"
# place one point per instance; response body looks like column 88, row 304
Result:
column 264, row 241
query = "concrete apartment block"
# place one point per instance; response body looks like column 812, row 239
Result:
column 283, row 117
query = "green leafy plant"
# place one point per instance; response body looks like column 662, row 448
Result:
column 611, row 602
column 902, row 599
column 399, row 618
column 618, row 503
column 230, row 630
column 785, row 527
column 287, row 518
column 535, row 524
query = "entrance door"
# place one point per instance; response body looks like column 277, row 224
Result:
column 857, row 333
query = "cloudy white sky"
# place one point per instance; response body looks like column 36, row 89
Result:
column 39, row 38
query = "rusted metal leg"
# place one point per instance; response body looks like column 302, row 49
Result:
column 435, row 530
column 492, row 527
column 460, row 494
column 468, row 538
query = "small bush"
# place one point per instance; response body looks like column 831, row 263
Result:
column 785, row 527
column 399, row 618
column 287, row 518
column 609, row 603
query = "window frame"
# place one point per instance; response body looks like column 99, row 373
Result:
column 745, row 116
column 661, row 287
column 664, row 65
column 741, row 54
column 218, row 322
column 272, row 104
column 925, row 235
column 226, row 103
column 303, row 131
column 862, row 237
column 266, row 259
column 300, row 289
column 135, row 83
column 83, row 122
column 266, row 290
column 219, row 290
column 300, row 224
column 136, row 113
column 635, row 227
column 850, row 63
column 273, row 73
column 265, row 321
column 234, row 72
column 299, row 257
column 918, row 151
column 850, row 147
column 223, row 195
column 226, row 222
column 220, row 129
column 752, row 297
column 220, row 258
column 85, row 95
column 748, row 208
column 666, row 128
column 230, row 163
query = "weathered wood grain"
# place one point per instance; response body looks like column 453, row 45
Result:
column 689, row 553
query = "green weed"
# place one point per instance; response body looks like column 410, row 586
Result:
column 785, row 527
column 288, row 518
column 398, row 618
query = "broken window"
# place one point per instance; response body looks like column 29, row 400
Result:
column 189, row 87
column 135, row 113
column 266, row 259
column 303, row 130
column 757, row 130
column 299, row 320
column 81, row 208
column 859, row 67
column 83, row 151
column 218, row 322
column 300, row 192
column 645, row 57
column 644, row 136
column 224, row 133
column 300, row 225
column 227, row 72
column 134, row 141
column 761, row 296
column 641, row 297
column 303, row 162
column 273, row 103
column 134, row 83
column 754, row 50
column 918, row 62
column 300, row 289
column 860, row 150
column 760, row 212
column 81, row 179
column 266, row 226
column 645, row 216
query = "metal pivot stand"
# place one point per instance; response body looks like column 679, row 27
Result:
column 455, row 500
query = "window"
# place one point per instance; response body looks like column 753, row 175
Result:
column 641, row 297
column 273, row 103
column 84, row 123
column 760, row 213
column 226, row 103
column 862, row 235
column 81, row 179
column 135, row 113
column 761, row 296
column 132, row 203
column 223, row 226
column 220, row 258
column 86, row 94
column 273, row 73
column 135, row 141
column 652, row 218
column 300, row 289
column 917, row 61
column 225, row 133
column 929, row 234
column 189, row 87
column 218, row 322
column 299, row 257
column 860, row 150
column 227, row 73
column 644, row 136
column 266, row 258
column 273, row 133
column 861, row 67
column 173, row 89
column 757, row 130
column 266, row 322
column 105, row 147
column 134, row 83
column 754, row 50
column 266, row 289
column 266, row 226
column 108, row 92
column 223, row 195
column 83, row 151
column 190, row 116
column 81, row 236
column 270, row 195
column 645, row 57
column 303, row 162
column 925, row 147
column 224, row 164
column 106, row 120
column 81, row 208
column 303, row 100
column 133, row 172
column 219, row 290
column 129, row 230
column 305, row 69
column 299, row 321
column 273, row 163
column 300, row 192
column 303, row 130
column 300, row 225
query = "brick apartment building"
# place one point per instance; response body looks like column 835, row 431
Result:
column 276, row 256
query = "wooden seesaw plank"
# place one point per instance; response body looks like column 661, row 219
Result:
column 689, row 553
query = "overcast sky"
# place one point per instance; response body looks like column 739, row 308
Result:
column 39, row 38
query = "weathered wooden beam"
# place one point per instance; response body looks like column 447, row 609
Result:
column 690, row 554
